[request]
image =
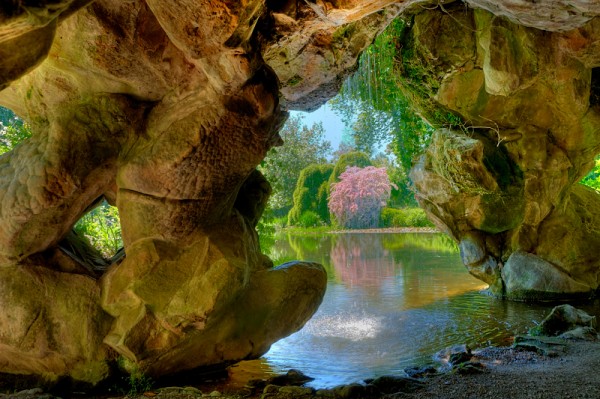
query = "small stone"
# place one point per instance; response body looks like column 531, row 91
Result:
column 420, row 372
column 393, row 384
column 215, row 394
column 349, row 391
column 295, row 391
column 271, row 389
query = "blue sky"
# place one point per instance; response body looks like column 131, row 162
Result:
column 331, row 122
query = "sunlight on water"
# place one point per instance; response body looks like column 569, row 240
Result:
column 392, row 301
column 349, row 327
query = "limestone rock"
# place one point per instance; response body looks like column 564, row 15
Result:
column 564, row 318
column 52, row 324
column 503, row 185
column 526, row 276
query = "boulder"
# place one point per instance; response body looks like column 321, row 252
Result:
column 563, row 319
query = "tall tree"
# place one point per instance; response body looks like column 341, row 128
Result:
column 282, row 166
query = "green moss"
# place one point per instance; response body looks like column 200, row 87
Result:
column 344, row 32
column 294, row 80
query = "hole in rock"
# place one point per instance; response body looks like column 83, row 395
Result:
column 95, row 242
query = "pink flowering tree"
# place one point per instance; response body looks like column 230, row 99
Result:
column 356, row 200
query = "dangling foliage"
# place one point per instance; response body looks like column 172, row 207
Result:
column 372, row 101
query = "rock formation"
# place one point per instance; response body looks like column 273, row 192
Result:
column 503, row 183
column 166, row 109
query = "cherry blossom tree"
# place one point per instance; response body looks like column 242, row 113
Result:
column 357, row 199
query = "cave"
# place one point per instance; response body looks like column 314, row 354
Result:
column 167, row 108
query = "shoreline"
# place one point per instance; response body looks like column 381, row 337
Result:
column 396, row 230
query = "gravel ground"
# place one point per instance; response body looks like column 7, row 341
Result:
column 523, row 375
column 507, row 373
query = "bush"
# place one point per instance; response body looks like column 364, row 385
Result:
column 311, row 193
column 309, row 219
column 407, row 217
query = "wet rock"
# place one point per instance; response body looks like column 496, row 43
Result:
column 455, row 355
column 468, row 368
column 562, row 319
column 325, row 393
column 292, row 377
column 546, row 346
column 350, row 391
column 420, row 372
column 581, row 334
column 394, row 384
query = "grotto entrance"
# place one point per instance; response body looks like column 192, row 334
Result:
column 173, row 105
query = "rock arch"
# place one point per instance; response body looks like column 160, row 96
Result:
column 168, row 107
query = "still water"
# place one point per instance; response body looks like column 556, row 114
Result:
column 392, row 301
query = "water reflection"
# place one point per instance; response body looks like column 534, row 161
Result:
column 392, row 301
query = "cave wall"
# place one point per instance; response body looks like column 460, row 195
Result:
column 503, row 182
column 166, row 109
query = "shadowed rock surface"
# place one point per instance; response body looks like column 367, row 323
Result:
column 166, row 109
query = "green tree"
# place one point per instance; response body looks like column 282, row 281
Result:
column 282, row 166
column 310, row 194
column 402, row 193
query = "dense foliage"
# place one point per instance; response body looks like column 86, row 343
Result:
column 282, row 166
column 593, row 177
column 406, row 217
column 102, row 229
column 310, row 195
column 12, row 130
column 357, row 199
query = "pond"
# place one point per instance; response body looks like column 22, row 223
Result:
column 392, row 301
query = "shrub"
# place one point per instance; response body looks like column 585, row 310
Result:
column 311, row 193
column 407, row 217
column 309, row 219
column 102, row 227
